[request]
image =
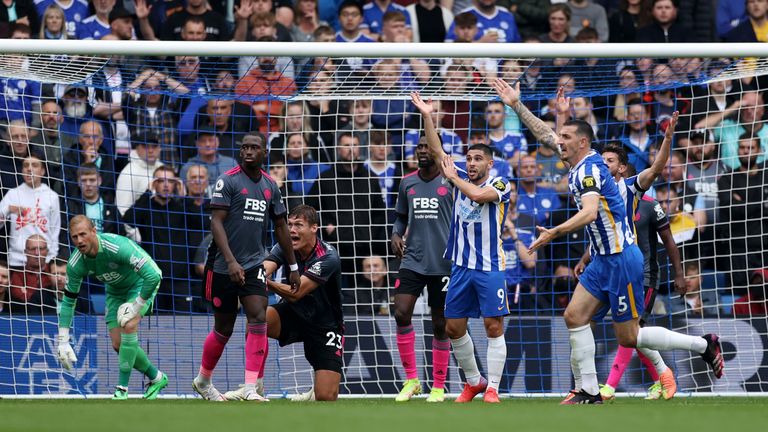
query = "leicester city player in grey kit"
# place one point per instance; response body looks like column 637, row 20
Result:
column 424, row 207
column 244, row 201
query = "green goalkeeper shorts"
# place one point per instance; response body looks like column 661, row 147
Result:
column 113, row 302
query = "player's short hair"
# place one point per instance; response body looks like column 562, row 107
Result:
column 305, row 212
column 487, row 150
column 396, row 16
column 465, row 19
column 350, row 4
column 582, row 128
column 79, row 219
column 88, row 168
column 256, row 134
column 619, row 150
column 665, row 188
column 630, row 171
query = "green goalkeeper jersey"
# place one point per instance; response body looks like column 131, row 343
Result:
column 120, row 264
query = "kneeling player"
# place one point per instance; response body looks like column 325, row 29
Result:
column 312, row 314
column 129, row 276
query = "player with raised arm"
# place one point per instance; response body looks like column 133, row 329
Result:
column 313, row 313
column 131, row 279
column 244, row 200
column 477, row 284
column 423, row 209
column 615, row 275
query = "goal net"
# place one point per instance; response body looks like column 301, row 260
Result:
column 103, row 124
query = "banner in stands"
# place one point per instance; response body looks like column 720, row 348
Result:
column 537, row 360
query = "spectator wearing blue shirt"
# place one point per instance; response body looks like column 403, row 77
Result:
column 373, row 17
column 74, row 13
column 378, row 163
column 96, row 26
column 351, row 20
column 208, row 155
column 495, row 24
column 509, row 144
column 302, row 170
column 500, row 167
column 452, row 144
column 534, row 199
column 19, row 98
column 730, row 13
column 396, row 76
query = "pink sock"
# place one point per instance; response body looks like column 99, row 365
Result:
column 264, row 361
column 620, row 363
column 212, row 349
column 649, row 365
column 406, row 340
column 441, row 354
column 255, row 344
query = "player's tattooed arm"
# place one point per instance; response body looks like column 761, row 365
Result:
column 511, row 96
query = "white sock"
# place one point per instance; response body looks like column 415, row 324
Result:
column 576, row 372
column 497, row 356
column 655, row 358
column 205, row 381
column 583, row 351
column 157, row 377
column 464, row 351
column 661, row 339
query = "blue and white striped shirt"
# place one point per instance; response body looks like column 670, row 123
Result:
column 610, row 233
column 475, row 238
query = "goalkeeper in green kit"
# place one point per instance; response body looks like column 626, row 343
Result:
column 131, row 280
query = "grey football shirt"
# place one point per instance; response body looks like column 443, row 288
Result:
column 649, row 219
column 428, row 204
column 250, row 204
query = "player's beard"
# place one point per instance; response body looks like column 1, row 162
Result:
column 426, row 163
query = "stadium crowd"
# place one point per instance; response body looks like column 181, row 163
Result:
column 139, row 147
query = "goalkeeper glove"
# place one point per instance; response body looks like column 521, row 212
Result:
column 66, row 354
column 128, row 311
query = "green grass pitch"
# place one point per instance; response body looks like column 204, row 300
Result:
column 678, row 415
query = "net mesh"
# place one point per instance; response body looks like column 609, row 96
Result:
column 78, row 111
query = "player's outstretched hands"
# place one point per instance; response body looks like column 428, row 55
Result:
column 546, row 235
column 562, row 102
column 295, row 279
column 671, row 126
column 507, row 93
column 425, row 108
column 448, row 169
column 398, row 245
column 236, row 273
column 64, row 351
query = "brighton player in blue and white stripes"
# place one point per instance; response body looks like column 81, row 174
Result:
column 477, row 286
column 615, row 275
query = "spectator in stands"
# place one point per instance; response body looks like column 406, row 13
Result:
column 303, row 169
column 283, row 12
column 197, row 184
column 31, row 287
column 33, row 208
column 49, row 138
column 559, row 19
column 396, row 75
column 452, row 144
column 19, row 97
column 563, row 284
column 360, row 124
column 15, row 14
column 500, row 166
column 98, row 205
column 5, row 283
column 208, row 155
column 624, row 21
column 296, row 119
column 351, row 20
column 219, row 114
column 135, row 178
column 695, row 302
column 394, row 28
column 534, row 199
column 682, row 225
column 708, row 111
column 121, row 23
column 508, row 144
column 150, row 114
column 305, row 21
column 531, row 16
column 96, row 25
column 587, row 14
column 264, row 29
column 54, row 23
column 90, row 148
column 749, row 119
column 429, row 20
column 495, row 23
column 753, row 28
column 357, row 226
column 701, row 173
column 188, row 71
column 196, row 203
column 743, row 226
column 160, row 219
column 634, row 135
column 279, row 173
column 665, row 27
column 755, row 302
column 216, row 26
column 77, row 110
column 13, row 153
column 730, row 13
column 457, row 110
column 371, row 293
column 58, row 275
column 379, row 163
column 518, row 233
column 266, row 80
column 374, row 17
column 72, row 13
